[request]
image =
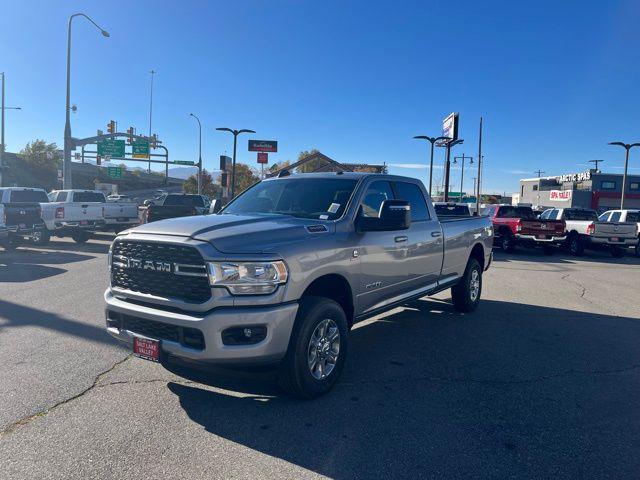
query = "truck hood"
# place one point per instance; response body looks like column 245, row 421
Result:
column 244, row 234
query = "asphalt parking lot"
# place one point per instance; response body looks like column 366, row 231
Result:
column 541, row 381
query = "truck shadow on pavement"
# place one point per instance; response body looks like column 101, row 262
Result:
column 562, row 257
column 22, row 265
column 429, row 392
column 91, row 246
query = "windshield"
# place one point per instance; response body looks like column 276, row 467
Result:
column 184, row 200
column 88, row 197
column 316, row 198
column 19, row 196
column 452, row 210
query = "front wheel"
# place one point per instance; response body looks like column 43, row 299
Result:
column 637, row 249
column 466, row 293
column 575, row 246
column 80, row 236
column 317, row 349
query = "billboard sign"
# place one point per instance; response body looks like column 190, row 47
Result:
column 263, row 146
column 560, row 195
column 263, row 157
column 450, row 127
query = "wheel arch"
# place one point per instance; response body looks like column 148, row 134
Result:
column 477, row 252
column 335, row 287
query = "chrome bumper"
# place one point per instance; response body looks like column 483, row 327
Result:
column 534, row 238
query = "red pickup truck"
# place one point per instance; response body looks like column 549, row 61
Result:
column 519, row 226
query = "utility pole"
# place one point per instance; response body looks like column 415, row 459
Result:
column 627, row 147
column 455, row 160
column 539, row 172
column 597, row 162
column 152, row 72
column 479, row 177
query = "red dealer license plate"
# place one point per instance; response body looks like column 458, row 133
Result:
column 83, row 222
column 615, row 239
column 146, row 348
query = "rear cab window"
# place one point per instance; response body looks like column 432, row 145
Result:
column 28, row 196
column 88, row 197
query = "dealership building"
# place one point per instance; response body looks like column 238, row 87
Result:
column 591, row 189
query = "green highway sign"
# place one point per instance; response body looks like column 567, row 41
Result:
column 111, row 148
column 114, row 172
column 140, row 149
column 184, row 162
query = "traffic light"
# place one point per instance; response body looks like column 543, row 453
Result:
column 154, row 141
column 98, row 160
column 130, row 131
column 111, row 127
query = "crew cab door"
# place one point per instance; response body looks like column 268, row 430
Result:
column 394, row 263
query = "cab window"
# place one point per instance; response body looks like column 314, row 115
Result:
column 410, row 192
column 376, row 193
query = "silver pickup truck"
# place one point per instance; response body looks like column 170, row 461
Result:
column 282, row 273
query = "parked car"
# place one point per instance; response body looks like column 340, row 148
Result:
column 118, row 215
column 515, row 225
column 71, row 213
column 585, row 230
column 284, row 271
column 624, row 216
column 177, row 205
column 452, row 209
column 4, row 231
column 22, row 213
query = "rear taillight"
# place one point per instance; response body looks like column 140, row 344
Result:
column 519, row 226
column 591, row 229
column 60, row 212
column 561, row 226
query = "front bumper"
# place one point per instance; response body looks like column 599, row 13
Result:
column 278, row 319
column 535, row 239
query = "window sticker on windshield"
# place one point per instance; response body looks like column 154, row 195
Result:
column 324, row 217
column 333, row 208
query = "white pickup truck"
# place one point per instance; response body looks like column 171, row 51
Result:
column 585, row 230
column 118, row 215
column 69, row 213
column 632, row 216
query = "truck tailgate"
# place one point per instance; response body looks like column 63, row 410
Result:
column 615, row 229
column 543, row 228
column 120, row 210
column 81, row 211
column 22, row 214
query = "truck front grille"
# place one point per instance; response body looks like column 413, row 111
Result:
column 135, row 268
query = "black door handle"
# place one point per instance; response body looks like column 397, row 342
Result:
column 435, row 234
column 400, row 239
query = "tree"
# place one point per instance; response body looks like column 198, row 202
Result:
column 278, row 166
column 41, row 162
column 209, row 188
column 245, row 177
column 310, row 166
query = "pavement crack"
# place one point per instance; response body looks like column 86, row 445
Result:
column 42, row 413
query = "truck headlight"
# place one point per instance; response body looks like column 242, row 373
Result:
column 248, row 278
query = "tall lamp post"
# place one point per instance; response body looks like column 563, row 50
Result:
column 455, row 161
column 152, row 73
column 235, row 142
column 68, row 141
column 199, row 153
column 431, row 140
column 447, row 166
column 627, row 147
column 2, row 109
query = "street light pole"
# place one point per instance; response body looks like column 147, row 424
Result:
column 199, row 154
column 233, row 164
column 627, row 147
column 447, row 166
column 462, row 174
column 68, row 140
column 431, row 140
column 152, row 72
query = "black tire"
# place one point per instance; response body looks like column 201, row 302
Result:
column 507, row 242
column 80, row 236
column 9, row 244
column 40, row 237
column 637, row 249
column 295, row 373
column 548, row 250
column 575, row 246
column 617, row 252
column 465, row 294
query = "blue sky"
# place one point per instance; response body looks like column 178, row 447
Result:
column 553, row 80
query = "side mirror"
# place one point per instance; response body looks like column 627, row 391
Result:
column 394, row 215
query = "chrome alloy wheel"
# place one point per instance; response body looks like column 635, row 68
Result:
column 474, row 286
column 324, row 348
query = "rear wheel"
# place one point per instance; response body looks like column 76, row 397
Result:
column 80, row 236
column 507, row 243
column 575, row 246
column 317, row 349
column 40, row 237
column 466, row 293
column 637, row 249
column 9, row 243
column 617, row 252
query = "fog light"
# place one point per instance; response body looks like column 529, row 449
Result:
column 244, row 335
